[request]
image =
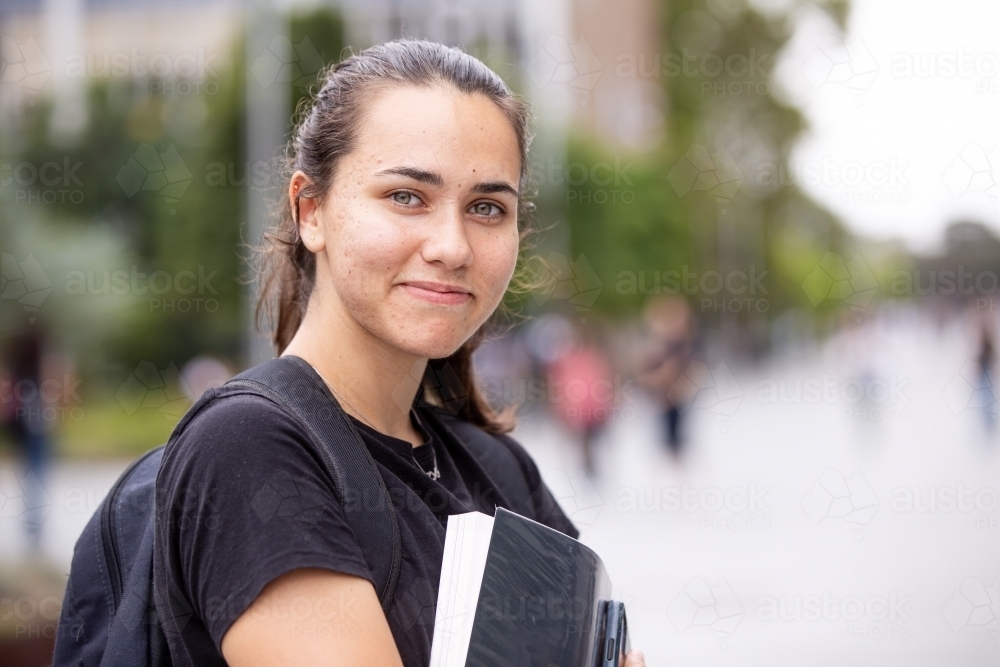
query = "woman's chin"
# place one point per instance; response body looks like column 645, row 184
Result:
column 433, row 350
column 430, row 342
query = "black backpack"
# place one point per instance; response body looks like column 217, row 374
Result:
column 109, row 618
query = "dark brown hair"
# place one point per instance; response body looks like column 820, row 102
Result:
column 327, row 130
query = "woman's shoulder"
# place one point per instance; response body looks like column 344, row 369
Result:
column 235, row 431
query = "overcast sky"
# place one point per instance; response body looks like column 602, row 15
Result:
column 904, row 115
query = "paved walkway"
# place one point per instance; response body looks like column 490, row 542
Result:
column 805, row 528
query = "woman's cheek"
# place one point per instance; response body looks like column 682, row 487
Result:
column 501, row 254
column 377, row 251
column 360, row 273
column 513, row 246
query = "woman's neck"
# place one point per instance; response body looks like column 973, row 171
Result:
column 372, row 381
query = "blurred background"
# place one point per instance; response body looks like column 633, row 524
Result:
column 759, row 376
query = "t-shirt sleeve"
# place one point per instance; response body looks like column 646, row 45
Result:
column 547, row 510
column 242, row 498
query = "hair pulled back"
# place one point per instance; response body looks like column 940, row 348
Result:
column 327, row 129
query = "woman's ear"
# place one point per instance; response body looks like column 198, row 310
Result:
column 306, row 213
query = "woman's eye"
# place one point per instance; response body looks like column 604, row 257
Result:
column 486, row 209
column 404, row 198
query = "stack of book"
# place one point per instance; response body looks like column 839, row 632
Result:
column 516, row 593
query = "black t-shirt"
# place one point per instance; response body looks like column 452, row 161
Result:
column 242, row 498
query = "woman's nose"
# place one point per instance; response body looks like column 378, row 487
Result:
column 447, row 241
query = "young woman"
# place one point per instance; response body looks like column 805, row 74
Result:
column 399, row 237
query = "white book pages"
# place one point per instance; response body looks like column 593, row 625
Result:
column 466, row 545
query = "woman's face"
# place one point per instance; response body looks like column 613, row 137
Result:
column 419, row 226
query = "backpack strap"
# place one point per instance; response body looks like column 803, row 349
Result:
column 495, row 456
column 292, row 384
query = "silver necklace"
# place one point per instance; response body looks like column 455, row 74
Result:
column 433, row 474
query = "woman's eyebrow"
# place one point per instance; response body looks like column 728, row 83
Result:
column 421, row 175
column 492, row 187
column 432, row 178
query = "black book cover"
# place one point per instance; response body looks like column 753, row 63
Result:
column 541, row 599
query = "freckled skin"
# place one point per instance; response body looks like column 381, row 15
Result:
column 369, row 243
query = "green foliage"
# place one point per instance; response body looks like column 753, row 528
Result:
column 626, row 234
column 318, row 36
column 191, row 240
column 714, row 114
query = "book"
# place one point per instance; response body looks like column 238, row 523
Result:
column 514, row 592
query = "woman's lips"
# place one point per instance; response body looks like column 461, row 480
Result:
column 439, row 293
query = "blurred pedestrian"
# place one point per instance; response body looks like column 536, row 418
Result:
column 31, row 400
column 986, row 358
column 582, row 395
column 664, row 360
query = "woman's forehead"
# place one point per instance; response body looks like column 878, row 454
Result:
column 439, row 129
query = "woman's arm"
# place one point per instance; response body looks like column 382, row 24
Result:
column 312, row 617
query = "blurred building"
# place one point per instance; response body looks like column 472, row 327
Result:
column 625, row 107
column 564, row 52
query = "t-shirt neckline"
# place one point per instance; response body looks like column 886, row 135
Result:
column 404, row 447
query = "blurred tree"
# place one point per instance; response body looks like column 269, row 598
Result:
column 161, row 169
column 706, row 198
column 318, row 37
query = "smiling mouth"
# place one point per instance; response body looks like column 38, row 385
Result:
column 438, row 293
